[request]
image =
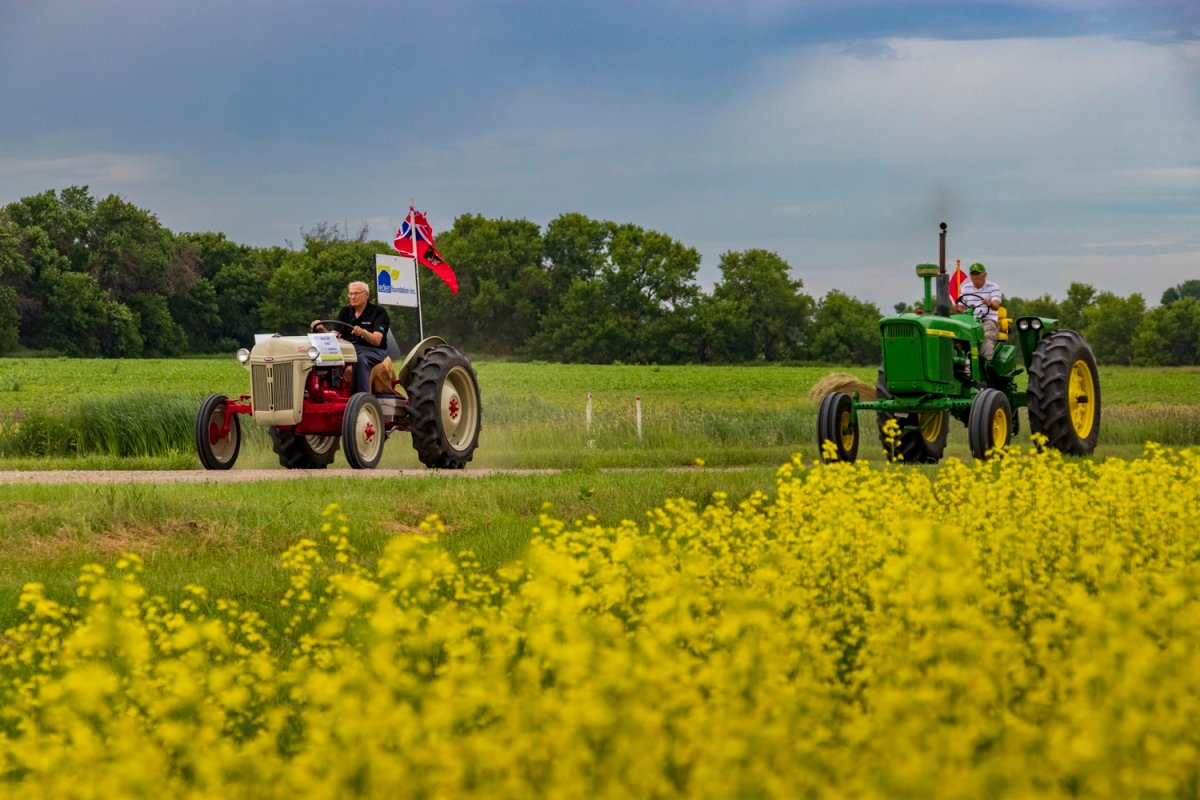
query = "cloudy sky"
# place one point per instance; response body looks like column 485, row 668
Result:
column 1060, row 139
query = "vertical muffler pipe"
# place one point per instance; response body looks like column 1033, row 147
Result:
column 943, row 280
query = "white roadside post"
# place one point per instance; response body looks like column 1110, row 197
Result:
column 589, row 413
column 637, row 400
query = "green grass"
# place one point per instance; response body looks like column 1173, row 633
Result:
column 138, row 414
column 228, row 537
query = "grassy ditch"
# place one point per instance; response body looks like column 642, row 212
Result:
column 228, row 537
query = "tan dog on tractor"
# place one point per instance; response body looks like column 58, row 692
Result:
column 383, row 377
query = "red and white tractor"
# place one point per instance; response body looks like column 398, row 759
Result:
column 302, row 394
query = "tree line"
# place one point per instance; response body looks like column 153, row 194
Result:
column 103, row 278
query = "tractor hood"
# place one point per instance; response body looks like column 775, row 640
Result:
column 920, row 351
column 279, row 367
column 959, row 326
column 291, row 348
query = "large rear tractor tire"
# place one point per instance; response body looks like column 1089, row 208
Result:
column 363, row 433
column 924, row 446
column 297, row 451
column 217, row 451
column 837, row 423
column 989, row 425
column 444, row 405
column 1064, row 393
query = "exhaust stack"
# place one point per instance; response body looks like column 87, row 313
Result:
column 943, row 280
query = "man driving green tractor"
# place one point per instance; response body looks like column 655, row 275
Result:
column 989, row 297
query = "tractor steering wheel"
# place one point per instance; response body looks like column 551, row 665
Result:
column 346, row 327
column 979, row 308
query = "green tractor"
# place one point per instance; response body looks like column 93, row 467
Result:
column 932, row 371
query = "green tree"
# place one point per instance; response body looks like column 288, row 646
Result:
column 38, row 316
column 757, row 309
column 87, row 322
column 639, row 307
column 1149, row 344
column 13, row 274
column 1080, row 297
column 1169, row 335
column 1181, row 328
column 845, row 331
column 212, row 252
column 241, row 287
column 1189, row 288
column 311, row 283
column 161, row 335
column 1110, row 324
column 1043, row 306
column 130, row 252
column 503, row 288
column 576, row 248
column 198, row 314
column 65, row 218
column 132, row 257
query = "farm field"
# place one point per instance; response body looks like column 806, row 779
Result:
column 122, row 414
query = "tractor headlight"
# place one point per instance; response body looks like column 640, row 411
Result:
column 243, row 355
column 313, row 353
column 1036, row 324
column 1023, row 325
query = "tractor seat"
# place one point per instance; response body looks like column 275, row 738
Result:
column 1003, row 324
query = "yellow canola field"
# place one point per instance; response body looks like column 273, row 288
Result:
column 1025, row 627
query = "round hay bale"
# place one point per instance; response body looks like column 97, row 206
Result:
column 840, row 382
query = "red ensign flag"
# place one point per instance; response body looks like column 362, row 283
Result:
column 427, row 252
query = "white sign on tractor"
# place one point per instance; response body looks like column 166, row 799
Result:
column 396, row 281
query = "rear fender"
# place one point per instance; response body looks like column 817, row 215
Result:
column 411, row 359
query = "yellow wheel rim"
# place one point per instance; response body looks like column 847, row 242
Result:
column 1081, row 399
column 999, row 429
column 931, row 425
column 847, row 431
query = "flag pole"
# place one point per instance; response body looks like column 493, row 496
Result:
column 412, row 231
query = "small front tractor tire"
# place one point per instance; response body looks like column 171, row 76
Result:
column 217, row 451
column 989, row 425
column 444, row 405
column 924, row 446
column 837, row 423
column 363, row 433
column 1064, row 393
column 297, row 451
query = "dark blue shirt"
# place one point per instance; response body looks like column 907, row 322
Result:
column 373, row 318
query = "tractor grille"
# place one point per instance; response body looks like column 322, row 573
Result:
column 272, row 387
column 901, row 330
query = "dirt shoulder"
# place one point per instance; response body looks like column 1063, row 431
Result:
column 241, row 475
column 249, row 475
